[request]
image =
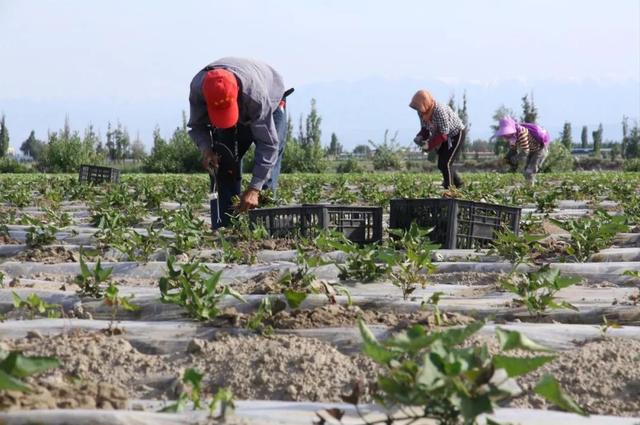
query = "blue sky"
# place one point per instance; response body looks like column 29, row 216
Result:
column 104, row 60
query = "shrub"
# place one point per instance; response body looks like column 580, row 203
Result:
column 632, row 165
column 179, row 155
column 65, row 152
column 559, row 159
column 351, row 165
column 10, row 165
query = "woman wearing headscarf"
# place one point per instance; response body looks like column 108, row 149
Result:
column 441, row 130
column 528, row 140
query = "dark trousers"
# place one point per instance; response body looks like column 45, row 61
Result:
column 230, row 172
column 447, row 154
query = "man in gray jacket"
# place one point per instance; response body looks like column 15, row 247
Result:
column 236, row 102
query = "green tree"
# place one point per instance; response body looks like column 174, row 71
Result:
column 615, row 151
column 4, row 137
column 305, row 153
column 387, row 154
column 335, row 148
column 463, row 113
column 32, row 147
column 91, row 138
column 501, row 145
column 529, row 110
column 138, row 152
column 625, row 135
column 111, row 144
column 597, row 139
column 566, row 138
column 362, row 150
column 65, row 151
column 118, row 142
column 584, row 137
column 633, row 143
column 177, row 155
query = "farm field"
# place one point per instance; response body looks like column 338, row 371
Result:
column 146, row 309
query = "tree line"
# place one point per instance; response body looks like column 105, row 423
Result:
column 65, row 149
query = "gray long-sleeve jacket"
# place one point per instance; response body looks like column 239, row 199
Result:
column 261, row 89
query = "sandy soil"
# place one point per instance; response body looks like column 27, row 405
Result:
column 334, row 315
column 48, row 255
column 253, row 367
column 602, row 376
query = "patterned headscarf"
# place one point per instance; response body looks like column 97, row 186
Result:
column 423, row 100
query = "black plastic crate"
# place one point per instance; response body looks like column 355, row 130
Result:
column 290, row 221
column 97, row 174
column 457, row 224
column 358, row 224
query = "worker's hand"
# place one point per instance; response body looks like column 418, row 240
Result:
column 210, row 161
column 249, row 200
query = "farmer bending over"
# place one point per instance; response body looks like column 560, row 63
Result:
column 236, row 102
column 526, row 140
column 442, row 130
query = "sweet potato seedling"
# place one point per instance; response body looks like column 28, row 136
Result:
column 195, row 287
column 91, row 281
column 537, row 290
column 433, row 375
column 14, row 366
column 36, row 306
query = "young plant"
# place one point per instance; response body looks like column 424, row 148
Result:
column 112, row 298
column 193, row 379
column 244, row 230
column 224, row 398
column 40, row 233
column 188, row 230
column 537, row 290
column 138, row 246
column 14, row 366
column 606, row 325
column 299, row 283
column 635, row 274
column 91, row 281
column 267, row 309
column 59, row 218
column 546, row 202
column 516, row 249
column 195, row 287
column 434, row 300
column 411, row 265
column 429, row 375
column 36, row 306
column 591, row 234
column 362, row 262
column 233, row 253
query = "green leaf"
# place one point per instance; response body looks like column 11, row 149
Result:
column 8, row 382
column 474, row 407
column 235, row 294
column 84, row 269
column 17, row 301
column 516, row 366
column 372, row 347
column 512, row 340
column 549, row 388
column 176, row 407
column 22, row 366
column 127, row 305
column 294, row 299
column 456, row 336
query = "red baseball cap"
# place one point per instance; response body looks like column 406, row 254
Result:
column 220, row 91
